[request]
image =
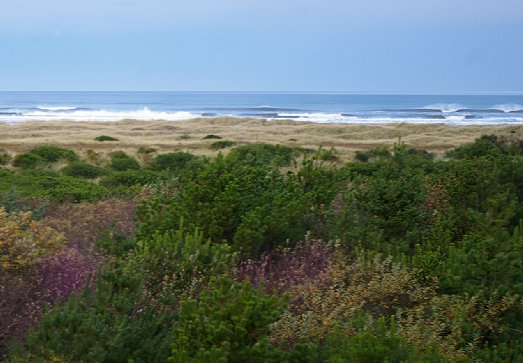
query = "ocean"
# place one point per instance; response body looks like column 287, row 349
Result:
column 313, row 107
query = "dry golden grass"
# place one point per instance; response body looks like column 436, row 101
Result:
column 188, row 135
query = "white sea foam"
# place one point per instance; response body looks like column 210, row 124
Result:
column 508, row 107
column 99, row 115
column 445, row 107
column 56, row 108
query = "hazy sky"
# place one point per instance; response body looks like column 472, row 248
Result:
column 415, row 46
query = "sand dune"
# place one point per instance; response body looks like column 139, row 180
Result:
column 188, row 135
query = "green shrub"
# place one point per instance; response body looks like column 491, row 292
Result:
column 28, row 161
column 184, row 137
column 102, row 138
column 171, row 161
column 379, row 152
column 5, row 158
column 229, row 322
column 146, row 150
column 211, row 136
column 74, row 190
column 128, row 178
column 52, row 154
column 362, row 156
column 79, row 169
column 377, row 343
column 120, row 161
column 263, row 155
column 485, row 146
column 223, row 144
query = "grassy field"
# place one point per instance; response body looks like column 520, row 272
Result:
column 189, row 135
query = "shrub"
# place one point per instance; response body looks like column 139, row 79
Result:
column 5, row 158
column 52, row 154
column 171, row 161
column 280, row 270
column 377, row 287
column 129, row 178
column 211, row 136
column 263, row 155
column 84, row 223
column 362, row 156
column 223, row 144
column 93, row 157
column 120, row 161
column 24, row 241
column 70, row 189
column 80, row 169
column 103, row 138
column 176, row 259
column 28, row 161
column 46, row 183
column 146, row 150
column 184, row 137
column 485, row 146
column 229, row 322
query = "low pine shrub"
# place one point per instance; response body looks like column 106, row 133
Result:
column 80, row 169
column 103, row 138
column 222, row 144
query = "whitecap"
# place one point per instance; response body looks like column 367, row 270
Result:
column 508, row 107
column 445, row 107
column 56, row 108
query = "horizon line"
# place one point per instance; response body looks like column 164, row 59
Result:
column 376, row 93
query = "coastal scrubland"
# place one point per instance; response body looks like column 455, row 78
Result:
column 345, row 244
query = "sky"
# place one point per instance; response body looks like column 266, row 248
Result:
column 375, row 46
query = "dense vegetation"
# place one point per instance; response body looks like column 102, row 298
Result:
column 266, row 254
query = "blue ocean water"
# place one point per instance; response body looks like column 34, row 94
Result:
column 314, row 107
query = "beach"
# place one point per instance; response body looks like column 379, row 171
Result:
column 188, row 135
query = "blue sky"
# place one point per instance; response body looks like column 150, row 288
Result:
column 403, row 46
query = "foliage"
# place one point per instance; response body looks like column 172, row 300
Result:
column 211, row 136
column 52, row 154
column 176, row 260
column 102, row 138
column 222, row 144
column 129, row 178
column 263, row 154
column 5, row 158
column 362, row 156
column 423, row 262
column 28, row 160
column 24, row 241
column 228, row 323
column 80, row 169
column 280, row 270
column 377, row 287
column 43, row 183
column 120, row 161
column 174, row 162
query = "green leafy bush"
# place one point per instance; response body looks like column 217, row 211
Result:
column 80, row 169
column 362, row 156
column 222, row 144
column 28, row 161
column 102, row 138
column 211, row 136
column 128, row 178
column 52, row 154
column 263, row 155
column 485, row 146
column 171, row 161
column 146, row 150
column 120, row 161
column 229, row 322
